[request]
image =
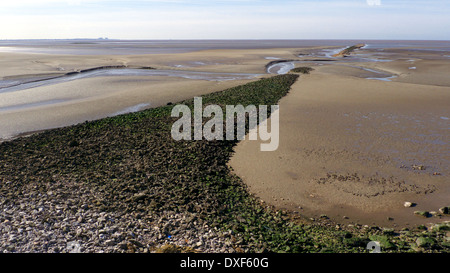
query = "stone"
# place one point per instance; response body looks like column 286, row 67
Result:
column 409, row 204
column 444, row 210
column 139, row 196
column 168, row 249
column 425, row 242
column 422, row 213
column 422, row 227
column 136, row 243
column 419, row 167
column 388, row 231
column 355, row 242
column 109, row 242
column 415, row 248
column 384, row 241
column 123, row 245
column 441, row 227
column 73, row 143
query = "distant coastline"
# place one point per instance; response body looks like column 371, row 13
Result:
column 136, row 47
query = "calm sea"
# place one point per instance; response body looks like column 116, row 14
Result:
column 132, row 47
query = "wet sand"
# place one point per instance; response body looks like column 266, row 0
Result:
column 72, row 102
column 350, row 146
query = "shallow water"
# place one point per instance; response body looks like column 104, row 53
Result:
column 281, row 68
column 132, row 47
column 132, row 109
column 29, row 105
column 385, row 79
column 113, row 72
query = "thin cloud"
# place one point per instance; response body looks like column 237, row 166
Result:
column 373, row 2
column 238, row 19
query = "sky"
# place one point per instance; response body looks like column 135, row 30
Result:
column 231, row 19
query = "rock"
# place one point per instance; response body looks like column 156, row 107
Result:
column 139, row 196
column 425, row 214
column 415, row 248
column 419, row 167
column 441, row 227
column 73, row 143
column 383, row 240
column 324, row 216
column 388, row 231
column 425, row 242
column 123, row 246
column 109, row 242
column 136, row 243
column 12, row 239
column 168, row 249
column 444, row 210
column 355, row 242
column 409, row 204
column 422, row 227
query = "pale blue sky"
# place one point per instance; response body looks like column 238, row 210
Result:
column 232, row 19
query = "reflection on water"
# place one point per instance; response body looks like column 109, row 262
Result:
column 132, row 109
column 385, row 79
column 281, row 68
column 195, row 75
column 30, row 105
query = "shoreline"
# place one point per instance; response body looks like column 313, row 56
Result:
column 307, row 107
column 193, row 204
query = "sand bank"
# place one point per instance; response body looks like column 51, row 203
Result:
column 348, row 146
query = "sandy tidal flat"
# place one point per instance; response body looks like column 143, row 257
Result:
column 352, row 133
column 70, row 102
column 356, row 149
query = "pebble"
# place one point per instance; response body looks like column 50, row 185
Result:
column 444, row 210
column 26, row 228
column 422, row 213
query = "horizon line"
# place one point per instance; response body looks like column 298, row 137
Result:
column 222, row 39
